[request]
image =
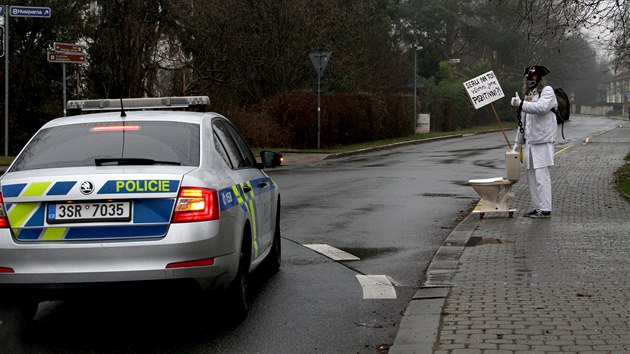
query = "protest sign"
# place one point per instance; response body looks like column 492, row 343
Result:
column 484, row 89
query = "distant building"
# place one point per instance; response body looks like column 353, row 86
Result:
column 615, row 97
column 618, row 87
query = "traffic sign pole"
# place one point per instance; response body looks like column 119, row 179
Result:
column 66, row 53
column 64, row 89
column 6, row 81
column 319, row 60
column 319, row 109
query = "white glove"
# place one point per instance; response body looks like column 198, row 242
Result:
column 515, row 147
column 516, row 100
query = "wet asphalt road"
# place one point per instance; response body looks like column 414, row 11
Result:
column 391, row 208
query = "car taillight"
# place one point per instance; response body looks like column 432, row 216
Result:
column 4, row 221
column 188, row 264
column 196, row 204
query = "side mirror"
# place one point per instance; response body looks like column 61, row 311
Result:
column 270, row 159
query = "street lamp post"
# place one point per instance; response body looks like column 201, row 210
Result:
column 415, row 86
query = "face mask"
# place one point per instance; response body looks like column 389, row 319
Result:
column 531, row 84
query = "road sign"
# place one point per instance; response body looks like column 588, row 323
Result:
column 72, row 58
column 320, row 60
column 29, row 11
column 67, row 47
column 483, row 89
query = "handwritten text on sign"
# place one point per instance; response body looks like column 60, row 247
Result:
column 484, row 89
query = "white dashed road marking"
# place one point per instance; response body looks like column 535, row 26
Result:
column 332, row 252
column 373, row 286
column 376, row 287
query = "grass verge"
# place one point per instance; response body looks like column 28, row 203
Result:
column 623, row 178
column 6, row 160
column 402, row 139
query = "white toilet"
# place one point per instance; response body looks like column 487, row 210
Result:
column 495, row 192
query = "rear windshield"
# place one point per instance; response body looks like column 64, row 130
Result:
column 113, row 143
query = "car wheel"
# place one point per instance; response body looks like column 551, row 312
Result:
column 274, row 259
column 237, row 293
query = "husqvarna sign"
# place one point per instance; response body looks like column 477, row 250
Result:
column 484, row 89
column 29, row 11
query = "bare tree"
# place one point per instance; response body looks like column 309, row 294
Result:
column 122, row 38
column 611, row 18
column 242, row 51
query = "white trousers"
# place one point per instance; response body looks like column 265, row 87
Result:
column 539, row 180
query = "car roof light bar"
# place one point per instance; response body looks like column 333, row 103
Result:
column 180, row 102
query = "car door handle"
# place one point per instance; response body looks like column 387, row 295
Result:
column 262, row 184
column 247, row 189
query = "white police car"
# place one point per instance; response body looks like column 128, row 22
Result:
column 133, row 198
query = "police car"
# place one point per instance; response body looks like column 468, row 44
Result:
column 136, row 195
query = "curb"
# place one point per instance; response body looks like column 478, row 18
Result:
column 418, row 329
column 395, row 145
column 331, row 156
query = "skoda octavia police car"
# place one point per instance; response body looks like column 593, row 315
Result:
column 129, row 197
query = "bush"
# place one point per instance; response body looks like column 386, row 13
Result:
column 449, row 105
column 623, row 178
column 447, row 100
column 289, row 120
column 259, row 129
column 614, row 113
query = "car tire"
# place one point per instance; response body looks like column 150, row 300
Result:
column 237, row 295
column 274, row 258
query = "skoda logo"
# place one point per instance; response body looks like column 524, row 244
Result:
column 87, row 187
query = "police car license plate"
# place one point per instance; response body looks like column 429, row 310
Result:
column 89, row 212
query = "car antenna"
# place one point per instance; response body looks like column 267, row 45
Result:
column 122, row 109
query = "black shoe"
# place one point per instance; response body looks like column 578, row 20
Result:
column 541, row 214
column 528, row 215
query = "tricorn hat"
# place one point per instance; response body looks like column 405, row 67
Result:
column 538, row 70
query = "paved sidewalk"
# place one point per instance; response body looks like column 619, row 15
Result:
column 299, row 159
column 522, row 285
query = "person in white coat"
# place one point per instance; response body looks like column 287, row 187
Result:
column 537, row 136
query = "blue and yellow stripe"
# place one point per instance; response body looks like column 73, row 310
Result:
column 236, row 196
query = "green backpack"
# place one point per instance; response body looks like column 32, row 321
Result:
column 564, row 108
